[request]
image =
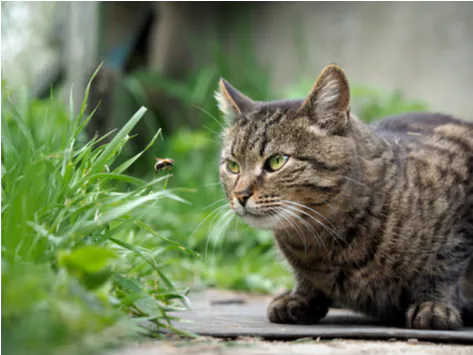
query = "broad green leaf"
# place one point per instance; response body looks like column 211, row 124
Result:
column 89, row 258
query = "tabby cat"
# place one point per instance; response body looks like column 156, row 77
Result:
column 377, row 218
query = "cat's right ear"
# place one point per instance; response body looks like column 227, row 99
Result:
column 231, row 102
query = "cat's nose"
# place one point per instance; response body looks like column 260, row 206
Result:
column 243, row 196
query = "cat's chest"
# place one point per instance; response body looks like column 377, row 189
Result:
column 311, row 263
column 370, row 291
column 339, row 277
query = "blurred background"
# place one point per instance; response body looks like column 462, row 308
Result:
column 421, row 49
column 168, row 57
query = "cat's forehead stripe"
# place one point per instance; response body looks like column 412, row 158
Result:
column 245, row 138
column 275, row 118
column 253, row 135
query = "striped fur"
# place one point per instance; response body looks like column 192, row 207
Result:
column 377, row 218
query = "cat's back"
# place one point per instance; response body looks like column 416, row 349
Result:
column 431, row 140
column 418, row 125
column 436, row 147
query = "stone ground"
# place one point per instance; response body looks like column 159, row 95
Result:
column 261, row 347
column 235, row 323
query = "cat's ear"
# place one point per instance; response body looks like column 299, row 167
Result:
column 328, row 103
column 231, row 102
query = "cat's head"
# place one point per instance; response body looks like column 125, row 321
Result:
column 281, row 159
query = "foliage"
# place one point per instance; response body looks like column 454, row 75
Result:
column 75, row 254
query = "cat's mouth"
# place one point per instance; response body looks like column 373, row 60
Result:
column 246, row 213
column 261, row 221
column 257, row 217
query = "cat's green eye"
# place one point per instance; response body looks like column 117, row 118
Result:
column 233, row 166
column 276, row 162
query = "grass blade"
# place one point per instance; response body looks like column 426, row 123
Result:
column 117, row 141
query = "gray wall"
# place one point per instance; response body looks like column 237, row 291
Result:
column 424, row 49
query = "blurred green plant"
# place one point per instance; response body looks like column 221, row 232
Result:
column 75, row 255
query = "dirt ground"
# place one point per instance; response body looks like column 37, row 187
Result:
column 301, row 347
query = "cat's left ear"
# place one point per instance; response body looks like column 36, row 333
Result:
column 231, row 102
column 328, row 103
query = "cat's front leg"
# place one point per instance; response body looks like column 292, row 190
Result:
column 436, row 308
column 436, row 315
column 304, row 305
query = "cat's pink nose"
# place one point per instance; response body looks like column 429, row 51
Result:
column 243, row 196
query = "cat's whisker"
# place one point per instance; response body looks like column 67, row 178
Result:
column 211, row 141
column 213, row 225
column 294, row 206
column 355, row 181
column 222, row 231
column 213, row 236
column 280, row 214
column 294, row 225
column 308, row 208
column 217, row 209
column 330, row 205
column 212, row 131
column 212, row 204
column 309, row 226
column 238, row 221
column 210, row 184
column 324, row 226
column 220, row 211
column 210, row 115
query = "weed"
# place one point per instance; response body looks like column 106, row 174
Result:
column 75, row 254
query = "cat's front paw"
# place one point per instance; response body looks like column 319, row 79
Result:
column 433, row 315
column 295, row 309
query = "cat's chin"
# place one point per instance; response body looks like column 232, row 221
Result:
column 262, row 222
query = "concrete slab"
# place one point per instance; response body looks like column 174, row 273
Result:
column 232, row 315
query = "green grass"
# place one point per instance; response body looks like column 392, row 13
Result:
column 76, row 252
column 91, row 236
